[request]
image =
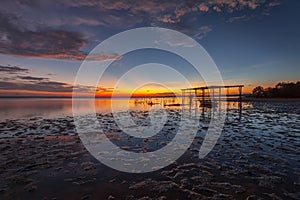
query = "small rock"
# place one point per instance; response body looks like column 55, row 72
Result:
column 111, row 197
column 85, row 197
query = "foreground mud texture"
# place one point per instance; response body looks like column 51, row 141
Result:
column 255, row 158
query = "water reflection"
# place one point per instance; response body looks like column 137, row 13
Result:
column 56, row 108
column 53, row 108
column 28, row 108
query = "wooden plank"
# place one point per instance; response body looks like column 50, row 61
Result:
column 213, row 87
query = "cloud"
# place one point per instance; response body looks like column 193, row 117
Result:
column 133, row 6
column 174, row 40
column 124, row 13
column 13, row 81
column 201, row 32
column 32, row 78
column 41, row 43
column 69, row 28
column 12, row 69
column 50, row 86
column 168, row 19
column 79, row 90
column 274, row 3
column 55, row 44
column 104, row 90
column 40, row 84
column 228, row 6
column 239, row 18
column 15, row 78
column 203, row 7
column 196, row 33
column 103, row 57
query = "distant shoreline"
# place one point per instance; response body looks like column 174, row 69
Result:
column 255, row 99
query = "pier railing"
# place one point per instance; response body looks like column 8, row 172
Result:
column 212, row 97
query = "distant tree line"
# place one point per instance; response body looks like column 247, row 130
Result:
column 281, row 90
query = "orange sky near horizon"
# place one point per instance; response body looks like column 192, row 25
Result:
column 140, row 92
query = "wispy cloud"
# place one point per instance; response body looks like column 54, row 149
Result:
column 13, row 79
column 32, row 78
column 239, row 18
column 12, row 69
column 201, row 32
column 175, row 41
column 101, row 90
column 103, row 57
column 18, row 78
column 261, row 65
column 50, row 86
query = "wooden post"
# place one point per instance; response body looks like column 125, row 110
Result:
column 182, row 100
column 203, row 91
column 240, row 102
column 240, row 93
column 219, row 104
column 227, row 93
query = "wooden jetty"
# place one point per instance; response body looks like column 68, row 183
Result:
column 211, row 97
column 212, row 94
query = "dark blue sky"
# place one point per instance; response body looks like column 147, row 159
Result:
column 253, row 42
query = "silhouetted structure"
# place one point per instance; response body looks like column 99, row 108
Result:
column 211, row 97
column 281, row 90
column 212, row 93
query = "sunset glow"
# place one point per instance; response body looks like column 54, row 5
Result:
column 251, row 43
column 149, row 99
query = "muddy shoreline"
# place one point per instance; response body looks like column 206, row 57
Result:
column 255, row 158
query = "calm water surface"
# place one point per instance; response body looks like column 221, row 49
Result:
column 57, row 108
column 15, row 108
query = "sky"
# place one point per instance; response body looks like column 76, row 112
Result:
column 43, row 43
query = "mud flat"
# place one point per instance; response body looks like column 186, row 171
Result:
column 255, row 158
